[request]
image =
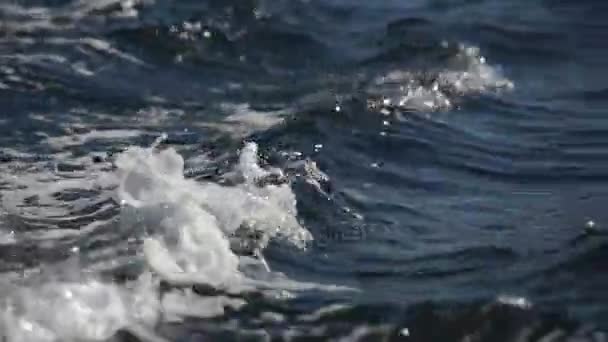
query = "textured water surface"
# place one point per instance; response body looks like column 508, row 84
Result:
column 303, row 170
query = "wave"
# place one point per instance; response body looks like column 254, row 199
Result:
column 191, row 233
column 433, row 90
column 425, row 143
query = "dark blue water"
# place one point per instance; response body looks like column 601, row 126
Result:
column 449, row 158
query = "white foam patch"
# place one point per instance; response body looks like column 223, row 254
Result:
column 519, row 302
column 188, row 229
column 54, row 312
column 79, row 139
column 79, row 310
column 243, row 120
column 410, row 91
column 191, row 245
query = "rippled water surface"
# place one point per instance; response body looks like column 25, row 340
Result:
column 296, row 170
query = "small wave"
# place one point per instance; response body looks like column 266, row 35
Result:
column 195, row 234
column 437, row 90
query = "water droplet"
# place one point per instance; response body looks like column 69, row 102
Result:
column 590, row 225
column 27, row 325
column 519, row 302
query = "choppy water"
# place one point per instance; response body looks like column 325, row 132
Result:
column 342, row 170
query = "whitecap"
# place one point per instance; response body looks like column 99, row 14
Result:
column 188, row 230
column 435, row 90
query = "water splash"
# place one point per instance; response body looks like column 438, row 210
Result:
column 194, row 233
column 468, row 74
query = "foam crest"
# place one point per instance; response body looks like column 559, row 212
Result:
column 477, row 76
column 190, row 244
column 468, row 73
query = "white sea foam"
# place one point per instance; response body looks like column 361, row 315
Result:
column 190, row 244
column 241, row 120
column 69, row 311
column 77, row 310
column 79, row 139
column 151, row 179
column 468, row 73
column 187, row 227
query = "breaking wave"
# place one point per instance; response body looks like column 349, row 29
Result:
column 467, row 73
column 193, row 235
